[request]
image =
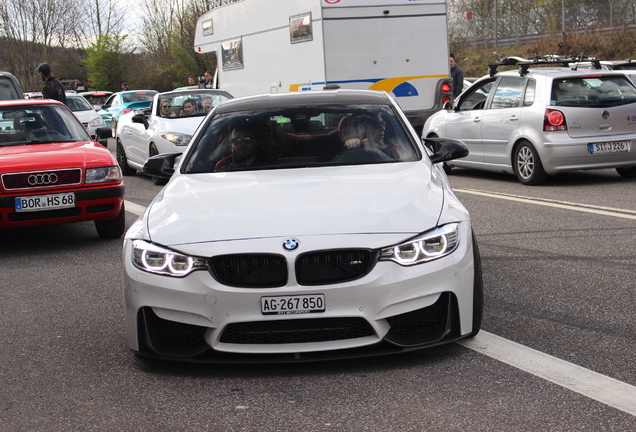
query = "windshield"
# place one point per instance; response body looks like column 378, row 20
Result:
column 139, row 96
column 304, row 136
column 188, row 104
column 593, row 91
column 37, row 124
column 8, row 89
column 78, row 103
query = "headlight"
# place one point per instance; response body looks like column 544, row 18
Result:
column 425, row 247
column 96, row 122
column 177, row 138
column 103, row 175
column 159, row 260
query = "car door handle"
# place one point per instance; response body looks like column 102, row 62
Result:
column 476, row 119
column 514, row 118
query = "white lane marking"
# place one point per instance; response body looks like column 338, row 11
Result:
column 134, row 208
column 606, row 211
column 601, row 388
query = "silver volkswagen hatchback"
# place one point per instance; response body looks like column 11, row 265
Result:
column 540, row 121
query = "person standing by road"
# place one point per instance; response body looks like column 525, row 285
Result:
column 457, row 74
column 209, row 80
column 53, row 88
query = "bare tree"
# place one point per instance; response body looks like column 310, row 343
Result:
column 33, row 31
column 168, row 39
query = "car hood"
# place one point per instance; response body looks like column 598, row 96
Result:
column 366, row 199
column 186, row 125
column 36, row 157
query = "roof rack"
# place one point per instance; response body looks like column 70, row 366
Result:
column 525, row 63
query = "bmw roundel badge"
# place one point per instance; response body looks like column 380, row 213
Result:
column 291, row 244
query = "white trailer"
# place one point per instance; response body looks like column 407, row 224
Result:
column 270, row 46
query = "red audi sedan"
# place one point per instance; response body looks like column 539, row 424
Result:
column 51, row 171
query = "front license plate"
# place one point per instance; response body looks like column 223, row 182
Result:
column 609, row 147
column 283, row 305
column 44, row 202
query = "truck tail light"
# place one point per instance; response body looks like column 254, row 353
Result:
column 447, row 94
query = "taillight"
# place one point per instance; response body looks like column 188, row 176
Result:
column 127, row 110
column 446, row 87
column 554, row 120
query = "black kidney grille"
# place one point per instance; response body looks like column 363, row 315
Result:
column 67, row 177
column 334, row 266
column 296, row 331
column 249, row 270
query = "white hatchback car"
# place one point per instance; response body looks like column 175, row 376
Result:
column 84, row 111
column 166, row 127
column 540, row 121
column 302, row 226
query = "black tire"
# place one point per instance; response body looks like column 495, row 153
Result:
column 159, row 181
column 527, row 164
column 114, row 228
column 629, row 172
column 122, row 160
column 478, row 291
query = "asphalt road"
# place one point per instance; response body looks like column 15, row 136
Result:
column 556, row 354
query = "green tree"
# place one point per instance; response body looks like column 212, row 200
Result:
column 104, row 63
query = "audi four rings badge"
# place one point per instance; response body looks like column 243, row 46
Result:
column 291, row 244
column 42, row 179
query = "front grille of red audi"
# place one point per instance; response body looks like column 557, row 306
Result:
column 42, row 179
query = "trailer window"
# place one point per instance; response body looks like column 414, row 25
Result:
column 208, row 27
column 232, row 54
column 300, row 29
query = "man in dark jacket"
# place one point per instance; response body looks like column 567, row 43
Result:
column 457, row 74
column 53, row 88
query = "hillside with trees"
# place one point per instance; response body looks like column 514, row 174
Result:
column 96, row 42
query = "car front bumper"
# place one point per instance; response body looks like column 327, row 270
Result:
column 98, row 203
column 389, row 310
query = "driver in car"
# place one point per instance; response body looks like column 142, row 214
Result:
column 247, row 150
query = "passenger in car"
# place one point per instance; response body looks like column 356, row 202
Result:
column 369, row 132
column 188, row 108
column 165, row 109
column 207, row 104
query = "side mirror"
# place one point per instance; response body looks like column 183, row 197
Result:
column 140, row 118
column 450, row 105
column 445, row 149
column 161, row 165
column 102, row 135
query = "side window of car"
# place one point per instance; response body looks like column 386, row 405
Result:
column 476, row 99
column 529, row 96
column 508, row 93
column 109, row 102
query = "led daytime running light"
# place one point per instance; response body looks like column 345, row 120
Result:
column 430, row 246
column 154, row 259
